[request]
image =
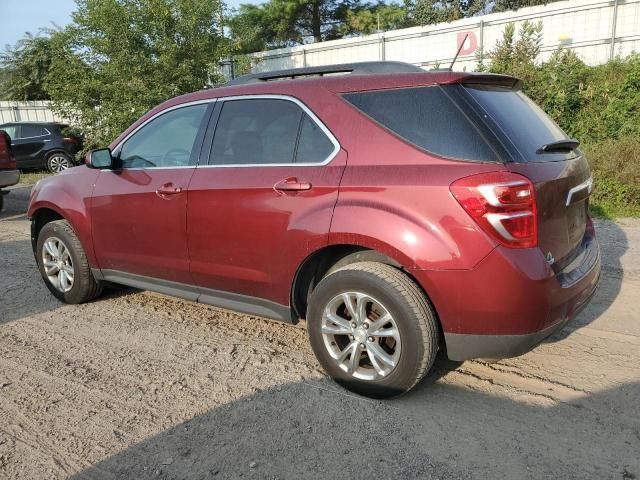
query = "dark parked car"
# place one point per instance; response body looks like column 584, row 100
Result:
column 9, row 175
column 398, row 211
column 43, row 145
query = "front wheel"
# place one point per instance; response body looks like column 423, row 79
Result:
column 57, row 162
column 372, row 329
column 63, row 264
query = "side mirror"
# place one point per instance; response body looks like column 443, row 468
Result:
column 100, row 158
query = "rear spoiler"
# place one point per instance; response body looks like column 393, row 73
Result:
column 493, row 79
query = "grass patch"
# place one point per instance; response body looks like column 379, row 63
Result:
column 30, row 177
column 616, row 172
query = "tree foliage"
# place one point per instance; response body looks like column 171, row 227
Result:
column 426, row 12
column 278, row 23
column 517, row 54
column 24, row 68
column 370, row 18
column 504, row 5
column 119, row 58
column 251, row 30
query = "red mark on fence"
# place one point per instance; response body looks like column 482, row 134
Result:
column 470, row 45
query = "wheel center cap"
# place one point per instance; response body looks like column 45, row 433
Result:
column 360, row 334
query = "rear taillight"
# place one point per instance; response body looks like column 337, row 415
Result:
column 503, row 204
column 71, row 140
column 6, row 154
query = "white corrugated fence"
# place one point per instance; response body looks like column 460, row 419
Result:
column 597, row 30
column 28, row 112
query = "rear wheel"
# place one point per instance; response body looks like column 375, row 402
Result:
column 372, row 329
column 57, row 162
column 63, row 264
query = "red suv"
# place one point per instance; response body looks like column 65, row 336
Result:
column 398, row 211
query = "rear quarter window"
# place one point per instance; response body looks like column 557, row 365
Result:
column 427, row 118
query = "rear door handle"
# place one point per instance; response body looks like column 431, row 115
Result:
column 168, row 189
column 291, row 184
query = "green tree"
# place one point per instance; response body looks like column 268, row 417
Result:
column 278, row 23
column 427, row 12
column 517, row 55
column 371, row 17
column 119, row 58
column 24, row 67
column 504, row 5
column 251, row 30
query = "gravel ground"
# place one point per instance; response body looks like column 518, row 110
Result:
column 138, row 385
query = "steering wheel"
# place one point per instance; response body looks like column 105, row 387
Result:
column 172, row 153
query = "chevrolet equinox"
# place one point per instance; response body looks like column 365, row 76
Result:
column 400, row 212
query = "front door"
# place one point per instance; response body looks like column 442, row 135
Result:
column 264, row 202
column 28, row 144
column 138, row 211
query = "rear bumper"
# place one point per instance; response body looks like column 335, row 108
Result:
column 9, row 177
column 462, row 346
column 510, row 302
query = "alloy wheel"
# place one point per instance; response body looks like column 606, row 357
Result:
column 361, row 335
column 58, row 163
column 58, row 265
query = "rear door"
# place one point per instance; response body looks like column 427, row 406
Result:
column 138, row 212
column 542, row 152
column 264, row 201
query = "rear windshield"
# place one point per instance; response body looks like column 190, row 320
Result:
column 520, row 121
column 427, row 118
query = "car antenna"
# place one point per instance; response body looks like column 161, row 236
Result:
column 458, row 52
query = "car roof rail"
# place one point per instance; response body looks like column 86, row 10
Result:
column 358, row 68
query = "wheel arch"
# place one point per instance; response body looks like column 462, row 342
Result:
column 40, row 217
column 322, row 261
column 45, row 212
column 55, row 150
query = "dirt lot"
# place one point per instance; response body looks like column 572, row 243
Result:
column 137, row 385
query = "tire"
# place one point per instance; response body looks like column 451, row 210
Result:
column 1, row 201
column 84, row 286
column 378, row 288
column 58, row 161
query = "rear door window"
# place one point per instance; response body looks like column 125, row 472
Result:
column 427, row 118
column 256, row 132
column 267, row 131
column 519, row 121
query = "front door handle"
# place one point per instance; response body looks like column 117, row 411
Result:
column 291, row 184
column 168, row 189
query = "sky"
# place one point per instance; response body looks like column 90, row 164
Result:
column 20, row 16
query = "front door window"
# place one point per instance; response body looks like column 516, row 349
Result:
column 166, row 141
